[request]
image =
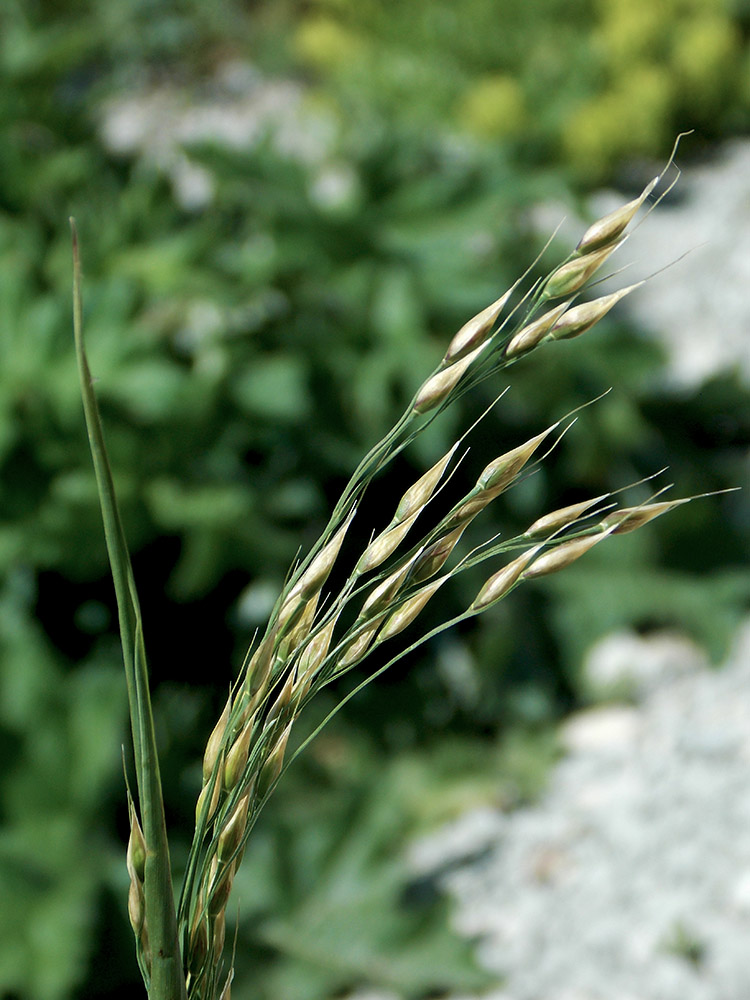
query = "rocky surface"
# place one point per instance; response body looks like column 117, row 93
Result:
column 630, row 879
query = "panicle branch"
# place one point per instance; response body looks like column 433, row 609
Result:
column 316, row 633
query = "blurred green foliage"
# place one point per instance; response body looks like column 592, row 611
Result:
column 247, row 351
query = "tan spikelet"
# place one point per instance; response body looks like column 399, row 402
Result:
column 271, row 770
column 619, row 522
column 359, row 645
column 259, row 669
column 215, row 740
column 198, row 951
column 316, row 574
column 208, row 802
column 219, row 934
column 534, row 333
column 611, row 226
column 237, row 755
column 315, row 651
column 560, row 518
column 281, row 702
column 501, row 472
column 474, row 333
column 581, row 318
column 136, row 852
column 382, row 595
column 136, row 906
column 434, row 556
column 562, row 556
column 417, row 495
column 384, row 545
column 409, row 610
column 438, row 387
column 501, row 582
column 221, row 887
column 231, row 835
column 570, row 277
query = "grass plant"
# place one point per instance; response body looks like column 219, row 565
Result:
column 318, row 631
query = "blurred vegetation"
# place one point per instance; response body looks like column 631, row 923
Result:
column 248, row 348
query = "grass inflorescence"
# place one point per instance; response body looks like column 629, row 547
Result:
column 317, row 633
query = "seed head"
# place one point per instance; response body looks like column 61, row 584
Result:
column 533, row 333
column 316, row 574
column 273, row 765
column 215, row 741
column 473, row 333
column 619, row 522
column 438, row 387
column 501, row 472
column 230, row 837
column 356, row 649
column 568, row 278
column 434, row 556
column 561, row 556
column 136, row 853
column 314, row 652
column 561, row 518
column 417, row 495
column 237, row 756
column 501, row 582
column 611, row 226
column 581, row 318
column 381, row 547
column 409, row 610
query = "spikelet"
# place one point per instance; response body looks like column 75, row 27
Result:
column 315, row 651
column 359, row 645
column 409, row 610
column 237, row 755
column 501, row 472
column 382, row 595
column 562, row 556
column 434, row 556
column 619, row 522
column 215, row 741
column 136, row 907
column 534, row 333
column 611, row 226
column 281, row 703
column 438, row 387
column 420, row 492
column 474, row 333
column 384, row 545
column 198, row 950
column 259, row 669
column 221, row 886
column 219, row 934
column 501, row 582
column 560, row 518
column 316, row 574
column 233, row 830
column 208, row 802
column 136, row 853
column 271, row 769
column 581, row 318
column 570, row 277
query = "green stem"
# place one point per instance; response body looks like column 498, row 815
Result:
column 167, row 981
